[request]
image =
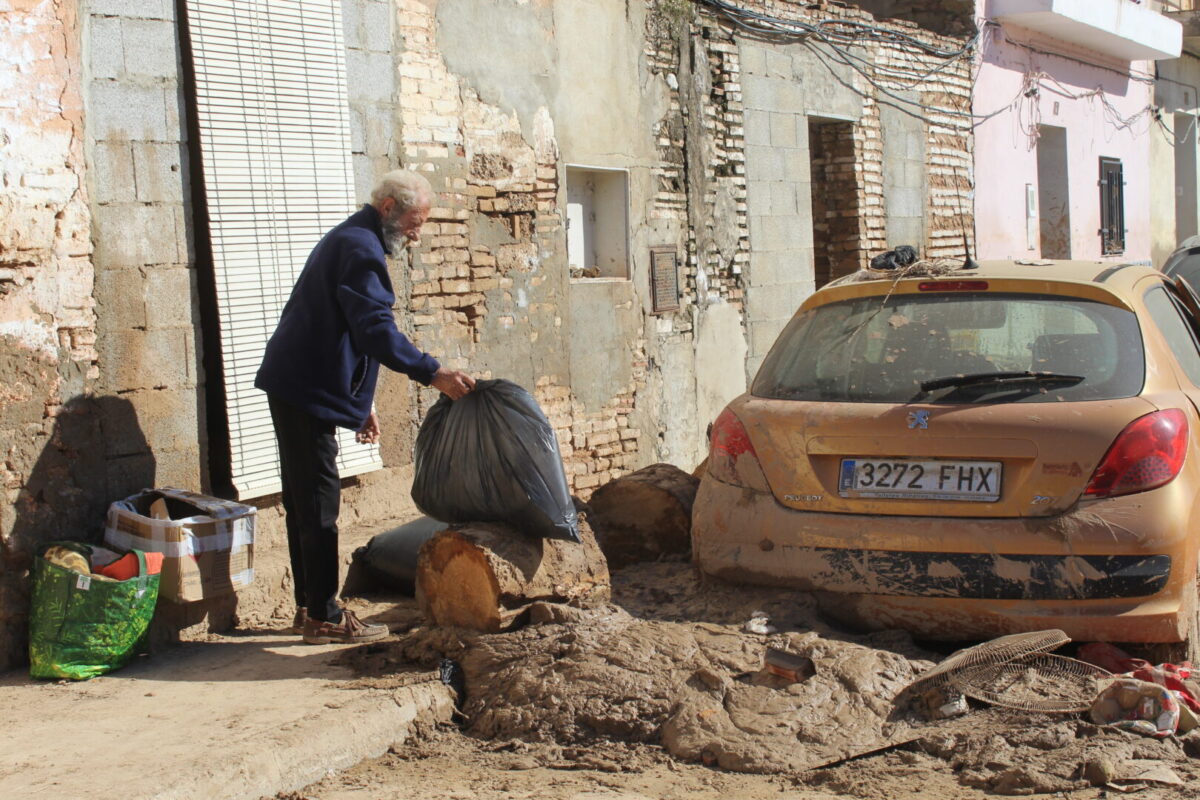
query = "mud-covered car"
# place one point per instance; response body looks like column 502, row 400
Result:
column 1008, row 448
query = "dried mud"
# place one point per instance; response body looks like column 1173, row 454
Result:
column 669, row 670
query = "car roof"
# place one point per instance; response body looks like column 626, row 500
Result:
column 1113, row 280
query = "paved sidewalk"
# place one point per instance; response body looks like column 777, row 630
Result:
column 235, row 717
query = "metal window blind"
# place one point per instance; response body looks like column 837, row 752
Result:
column 275, row 149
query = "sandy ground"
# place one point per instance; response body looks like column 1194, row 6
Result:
column 661, row 695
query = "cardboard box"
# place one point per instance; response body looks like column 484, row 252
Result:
column 207, row 543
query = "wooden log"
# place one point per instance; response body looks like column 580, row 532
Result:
column 644, row 515
column 485, row 576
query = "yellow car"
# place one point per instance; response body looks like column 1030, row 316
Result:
column 1007, row 448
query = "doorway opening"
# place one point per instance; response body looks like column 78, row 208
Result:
column 837, row 235
column 1185, row 177
column 1053, row 192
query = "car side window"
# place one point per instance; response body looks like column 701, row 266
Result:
column 1168, row 316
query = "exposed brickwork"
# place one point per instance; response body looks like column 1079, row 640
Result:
column 47, row 319
column 837, row 223
column 945, row 100
column 490, row 176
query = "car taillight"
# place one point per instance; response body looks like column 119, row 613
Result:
column 731, row 455
column 1149, row 453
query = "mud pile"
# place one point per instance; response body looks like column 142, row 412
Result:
column 670, row 664
column 697, row 687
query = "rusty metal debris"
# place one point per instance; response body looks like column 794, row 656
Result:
column 1018, row 671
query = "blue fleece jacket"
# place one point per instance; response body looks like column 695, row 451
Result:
column 337, row 328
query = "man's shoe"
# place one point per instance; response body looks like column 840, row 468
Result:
column 298, row 622
column 351, row 630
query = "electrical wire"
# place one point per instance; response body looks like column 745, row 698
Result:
column 836, row 37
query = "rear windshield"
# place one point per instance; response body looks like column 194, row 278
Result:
column 881, row 349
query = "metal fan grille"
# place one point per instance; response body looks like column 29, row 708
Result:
column 996, row 651
column 1035, row 682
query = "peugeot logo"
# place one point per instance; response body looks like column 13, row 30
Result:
column 918, row 419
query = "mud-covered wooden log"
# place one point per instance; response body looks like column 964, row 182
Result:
column 644, row 515
column 485, row 576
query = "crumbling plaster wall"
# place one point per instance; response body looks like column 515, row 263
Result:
column 750, row 143
column 47, row 321
column 494, row 120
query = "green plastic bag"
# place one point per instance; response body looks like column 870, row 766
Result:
column 81, row 627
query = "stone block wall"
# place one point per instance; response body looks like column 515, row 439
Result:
column 147, row 320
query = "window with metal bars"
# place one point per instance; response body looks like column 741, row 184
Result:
column 1112, row 206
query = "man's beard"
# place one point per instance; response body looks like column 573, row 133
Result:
column 393, row 233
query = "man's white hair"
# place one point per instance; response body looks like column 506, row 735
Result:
column 406, row 187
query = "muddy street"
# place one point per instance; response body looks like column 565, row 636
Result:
column 662, row 694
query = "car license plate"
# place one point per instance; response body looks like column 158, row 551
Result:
column 920, row 479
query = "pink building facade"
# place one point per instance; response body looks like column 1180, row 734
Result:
column 1064, row 121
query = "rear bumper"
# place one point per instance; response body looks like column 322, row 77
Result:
column 1087, row 572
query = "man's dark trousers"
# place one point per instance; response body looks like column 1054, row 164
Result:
column 311, row 497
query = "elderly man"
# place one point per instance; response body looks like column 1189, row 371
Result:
column 319, row 373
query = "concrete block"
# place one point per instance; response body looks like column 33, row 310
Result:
column 380, row 129
column 905, row 201
column 120, row 299
column 783, row 268
column 178, row 467
column 158, row 172
column 764, row 163
column 170, row 298
column 352, row 30
column 752, row 365
column 779, row 65
column 128, row 475
column 175, row 113
column 377, row 26
column 773, row 94
column 369, row 76
column 782, row 202
column 758, row 199
column 125, row 112
column 357, row 129
column 779, row 233
column 773, row 302
column 112, row 173
column 132, row 234
column 763, row 334
column 796, row 166
column 106, row 53
column 757, row 127
column 145, row 359
column 151, row 48
column 753, row 59
column 783, row 130
column 169, row 420
column 145, row 9
column 185, row 237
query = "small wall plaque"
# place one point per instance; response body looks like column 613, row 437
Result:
column 664, row 279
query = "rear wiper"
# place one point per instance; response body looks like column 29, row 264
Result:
column 983, row 379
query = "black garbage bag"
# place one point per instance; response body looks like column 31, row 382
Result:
column 492, row 456
column 902, row 256
column 390, row 558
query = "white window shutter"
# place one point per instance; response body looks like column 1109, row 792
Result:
column 275, row 148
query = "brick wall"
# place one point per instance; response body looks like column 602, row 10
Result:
column 491, row 267
column 47, row 319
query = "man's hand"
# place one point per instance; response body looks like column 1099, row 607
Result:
column 452, row 383
column 369, row 432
